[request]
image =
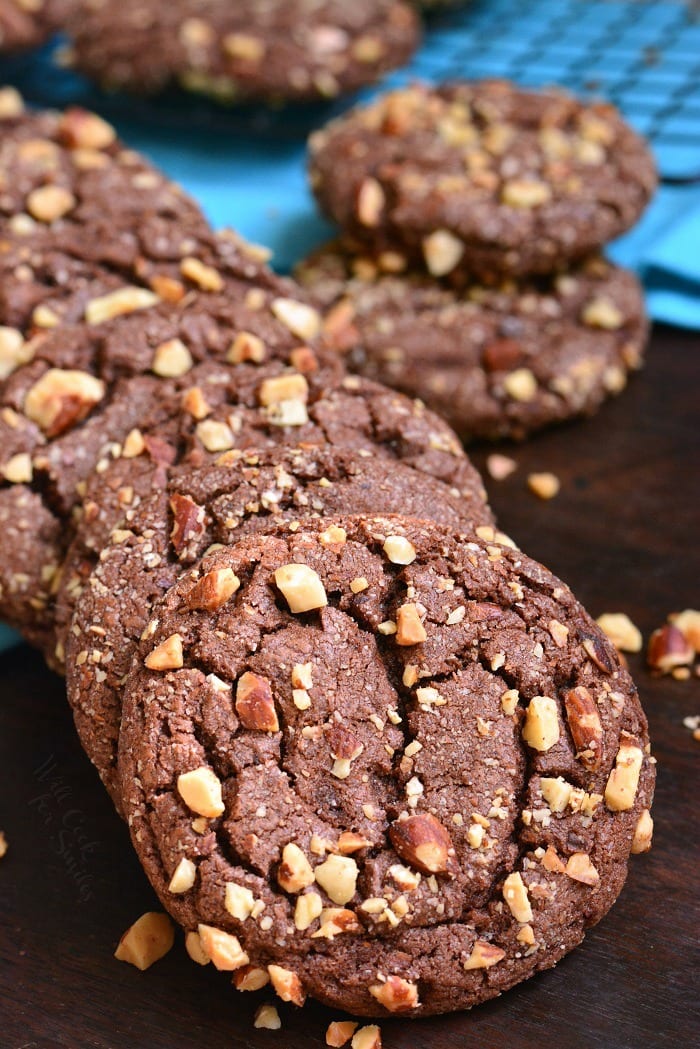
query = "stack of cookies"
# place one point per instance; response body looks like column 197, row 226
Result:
column 367, row 750
column 468, row 272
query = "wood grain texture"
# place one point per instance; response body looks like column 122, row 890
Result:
column 624, row 534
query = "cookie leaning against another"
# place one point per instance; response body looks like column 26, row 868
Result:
column 495, row 361
column 483, row 178
column 169, row 516
column 282, row 49
column 399, row 797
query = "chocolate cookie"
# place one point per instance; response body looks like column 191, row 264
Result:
column 70, row 396
column 28, row 23
column 495, row 361
column 381, row 763
column 166, row 519
column 281, row 49
column 482, row 177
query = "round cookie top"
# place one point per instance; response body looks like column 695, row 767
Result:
column 497, row 360
column 482, row 177
column 381, row 763
column 163, row 519
column 280, row 49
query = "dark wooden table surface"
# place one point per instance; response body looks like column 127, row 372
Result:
column 624, row 534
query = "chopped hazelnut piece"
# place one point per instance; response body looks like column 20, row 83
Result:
column 585, row 726
column 306, row 910
column 333, row 536
column 11, row 103
column 193, row 946
column 370, row 202
column 238, row 901
column 556, row 792
column 525, row 193
column 250, row 978
column 200, row 790
column 291, row 387
column 368, row 1037
column 48, row 203
column 223, row 949
column 18, row 469
column 171, row 359
column 246, row 347
column 3, row 845
column 116, row 303
column 621, row 630
column 442, row 251
column 544, row 485
column 255, row 704
column 520, row 384
column 409, row 628
column 302, row 587
column 399, row 550
column 295, row 872
column 14, row 351
column 621, row 788
column 146, row 941
column 602, row 313
column 82, row 130
column 61, row 398
column 302, row 320
column 244, row 46
column 688, row 622
column 484, row 955
column 302, row 675
column 134, row 445
column 338, row 878
column 167, row 655
column 500, row 466
column 516, row 896
column 668, row 649
column 643, row 832
column 286, row 984
column 422, row 842
column 205, row 277
column 340, row 1032
column 213, row 590
column 541, row 727
column 267, row 1018
column 579, row 868
column 396, row 994
column 183, row 877
column 216, row 436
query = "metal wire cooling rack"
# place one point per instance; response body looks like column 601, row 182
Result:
column 644, row 55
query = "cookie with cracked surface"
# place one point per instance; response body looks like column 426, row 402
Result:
column 282, row 49
column 495, row 361
column 28, row 23
column 403, row 797
column 484, row 178
column 70, row 396
column 166, row 519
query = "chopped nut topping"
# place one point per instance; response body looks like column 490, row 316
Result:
column 48, row 203
column 183, row 877
column 295, row 872
column 18, row 469
column 302, row 320
column 3, row 845
column 442, row 251
column 340, row 1032
column 409, row 628
column 223, row 949
column 307, row 909
column 244, row 46
column 193, row 946
column 292, row 387
column 14, row 351
column 585, row 726
column 82, row 130
column 167, row 655
column 556, row 792
column 541, row 727
column 205, row 277
column 301, row 587
column 246, row 347
column 551, row 861
column 238, row 901
column 559, row 632
column 544, row 485
column 171, row 359
column 484, row 955
column 500, row 466
column 688, row 622
column 255, row 704
column 338, row 878
column 396, row 994
column 509, row 701
column 399, row 550
column 580, row 868
column 520, row 384
column 286, row 984
column 62, row 398
column 116, row 303
column 602, row 313
column 370, row 202
column 621, row 788
column 668, row 649
column 134, row 445
column 250, row 978
column 643, row 832
column 146, row 941
column 525, row 193
column 215, row 436
column 621, row 630
column 200, row 790
column 267, row 1018
column 213, row 590
column 516, row 896
column 367, row 1038
column 422, row 842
